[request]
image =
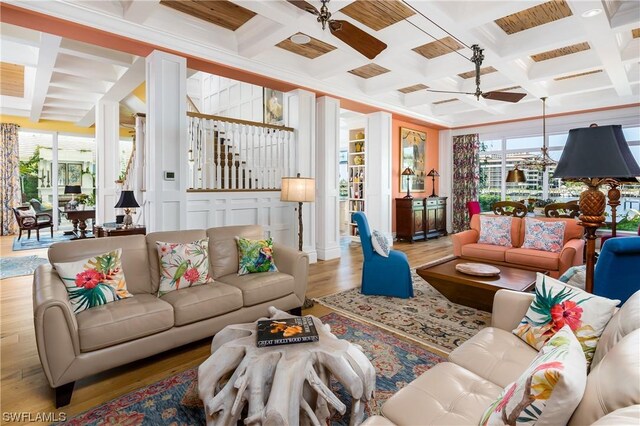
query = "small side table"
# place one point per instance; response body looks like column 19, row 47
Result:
column 103, row 231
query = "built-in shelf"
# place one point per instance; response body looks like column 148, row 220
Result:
column 356, row 168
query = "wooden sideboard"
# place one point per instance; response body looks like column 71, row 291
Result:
column 421, row 218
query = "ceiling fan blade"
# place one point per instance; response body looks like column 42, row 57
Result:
column 504, row 96
column 361, row 41
column 307, row 7
column 449, row 91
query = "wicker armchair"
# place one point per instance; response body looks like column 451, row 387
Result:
column 31, row 222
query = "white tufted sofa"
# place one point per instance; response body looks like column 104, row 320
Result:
column 457, row 392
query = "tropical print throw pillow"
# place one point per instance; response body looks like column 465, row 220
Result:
column 380, row 243
column 255, row 256
column 545, row 236
column 495, row 230
column 183, row 265
column 556, row 305
column 94, row 281
column 548, row 391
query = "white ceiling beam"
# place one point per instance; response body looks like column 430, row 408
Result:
column 47, row 54
column 131, row 79
column 475, row 13
column 139, row 10
column 96, row 53
column 564, row 65
column 603, row 42
column 134, row 104
column 58, row 93
column 78, row 67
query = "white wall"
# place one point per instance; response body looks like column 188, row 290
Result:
column 230, row 98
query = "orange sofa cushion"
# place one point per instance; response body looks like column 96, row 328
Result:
column 485, row 251
column 517, row 229
column 534, row 258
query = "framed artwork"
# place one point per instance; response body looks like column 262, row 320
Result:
column 62, row 174
column 273, row 107
column 413, row 153
column 74, row 174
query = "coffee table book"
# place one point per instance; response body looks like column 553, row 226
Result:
column 286, row 331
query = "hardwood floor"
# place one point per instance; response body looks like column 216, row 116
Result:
column 24, row 387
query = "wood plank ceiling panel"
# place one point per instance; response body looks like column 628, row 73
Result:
column 635, row 32
column 562, row 51
column 378, row 14
column 534, row 16
column 582, row 74
column 472, row 74
column 438, row 47
column 446, row 101
column 11, row 80
column 368, row 71
column 414, row 88
column 311, row 50
column 219, row 12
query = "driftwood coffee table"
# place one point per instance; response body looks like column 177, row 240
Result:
column 475, row 291
column 282, row 385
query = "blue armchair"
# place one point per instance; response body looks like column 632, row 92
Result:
column 382, row 276
column 617, row 273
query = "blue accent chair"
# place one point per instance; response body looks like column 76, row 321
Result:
column 382, row 276
column 617, row 273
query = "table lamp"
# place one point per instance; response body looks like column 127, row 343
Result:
column 73, row 190
column 408, row 172
column 127, row 202
column 595, row 155
column 434, row 174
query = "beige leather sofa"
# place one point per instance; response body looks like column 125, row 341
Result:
column 75, row 346
column 457, row 392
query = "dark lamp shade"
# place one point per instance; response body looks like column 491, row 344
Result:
column 516, row 176
column 72, row 189
column 596, row 152
column 126, row 201
column 433, row 173
column 408, row 172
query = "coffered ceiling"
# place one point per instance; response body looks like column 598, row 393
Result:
column 555, row 49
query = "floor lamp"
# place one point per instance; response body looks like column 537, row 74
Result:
column 595, row 155
column 301, row 190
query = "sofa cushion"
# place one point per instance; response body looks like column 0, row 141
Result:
column 571, row 231
column 485, row 251
column 135, row 260
column 622, row 323
column 223, row 250
column 495, row 230
column 545, row 236
column 201, row 302
column 122, row 321
column 621, row 417
column 261, row 287
column 183, row 265
column 255, row 256
column 495, row 355
column 548, row 391
column 517, row 234
column 543, row 260
column 446, row 394
column 181, row 237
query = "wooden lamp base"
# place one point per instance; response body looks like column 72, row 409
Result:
column 592, row 206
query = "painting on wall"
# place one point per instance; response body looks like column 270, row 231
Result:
column 273, row 107
column 62, row 174
column 413, row 153
column 74, row 174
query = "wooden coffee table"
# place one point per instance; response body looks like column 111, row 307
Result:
column 469, row 290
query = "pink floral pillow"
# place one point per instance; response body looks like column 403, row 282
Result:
column 545, row 236
column 495, row 230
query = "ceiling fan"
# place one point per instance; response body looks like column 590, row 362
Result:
column 361, row 41
column 477, row 59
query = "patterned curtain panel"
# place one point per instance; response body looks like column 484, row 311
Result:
column 9, row 178
column 466, row 177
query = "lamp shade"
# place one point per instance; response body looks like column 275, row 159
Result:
column 299, row 189
column 126, row 201
column 596, row 152
column 433, row 173
column 408, row 172
column 72, row 189
column 516, row 176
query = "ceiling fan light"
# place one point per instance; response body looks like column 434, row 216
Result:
column 300, row 38
column 591, row 13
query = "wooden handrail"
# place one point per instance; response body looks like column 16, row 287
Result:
column 238, row 121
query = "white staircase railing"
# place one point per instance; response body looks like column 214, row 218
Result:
column 231, row 154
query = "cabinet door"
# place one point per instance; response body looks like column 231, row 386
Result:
column 441, row 223
column 431, row 219
column 418, row 221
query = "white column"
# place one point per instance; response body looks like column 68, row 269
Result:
column 378, row 172
column 108, row 159
column 300, row 113
column 445, row 168
column 327, row 186
column 165, row 206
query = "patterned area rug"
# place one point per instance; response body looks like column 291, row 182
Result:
column 46, row 241
column 175, row 400
column 17, row 266
column 428, row 318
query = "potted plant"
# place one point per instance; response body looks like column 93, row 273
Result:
column 82, row 200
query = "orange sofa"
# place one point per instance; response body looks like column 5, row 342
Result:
column 465, row 245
